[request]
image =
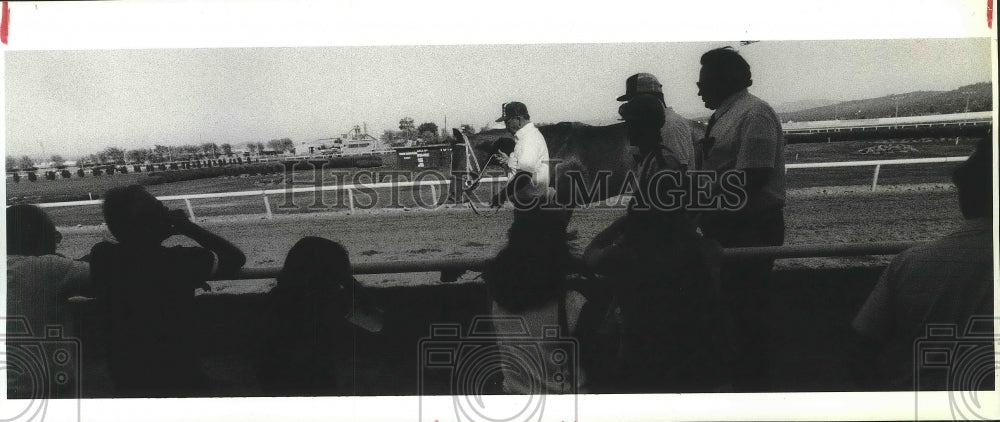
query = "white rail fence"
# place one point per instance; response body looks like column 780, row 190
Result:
column 434, row 184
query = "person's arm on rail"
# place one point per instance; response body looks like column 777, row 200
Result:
column 231, row 258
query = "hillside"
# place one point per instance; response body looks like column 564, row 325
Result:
column 975, row 97
column 800, row 105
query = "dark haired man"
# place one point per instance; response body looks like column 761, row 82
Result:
column 744, row 133
column 947, row 281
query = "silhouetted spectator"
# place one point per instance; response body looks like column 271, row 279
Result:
column 665, row 276
column 38, row 283
column 149, row 292
column 676, row 134
column 313, row 317
column 744, row 134
column 527, row 280
column 947, row 281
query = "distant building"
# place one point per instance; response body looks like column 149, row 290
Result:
column 354, row 142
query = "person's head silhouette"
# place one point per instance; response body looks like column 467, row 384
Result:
column 723, row 73
column 316, row 260
column 531, row 269
column 134, row 216
column 644, row 116
column 30, row 232
column 973, row 180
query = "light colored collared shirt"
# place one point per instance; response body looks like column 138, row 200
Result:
column 747, row 134
column 677, row 138
column 531, row 155
column 38, row 286
column 37, row 289
column 943, row 282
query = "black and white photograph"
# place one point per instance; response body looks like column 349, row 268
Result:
column 499, row 226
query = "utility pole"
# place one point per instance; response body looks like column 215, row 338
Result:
column 895, row 99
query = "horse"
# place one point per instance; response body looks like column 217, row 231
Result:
column 586, row 163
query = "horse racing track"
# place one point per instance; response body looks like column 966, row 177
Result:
column 917, row 212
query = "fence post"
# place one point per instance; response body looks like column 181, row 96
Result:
column 190, row 209
column 350, row 199
column 267, row 206
column 875, row 177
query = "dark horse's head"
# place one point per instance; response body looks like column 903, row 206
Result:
column 484, row 145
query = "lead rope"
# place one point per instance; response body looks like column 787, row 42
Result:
column 468, row 182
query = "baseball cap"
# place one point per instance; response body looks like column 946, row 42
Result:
column 513, row 109
column 641, row 83
column 643, row 108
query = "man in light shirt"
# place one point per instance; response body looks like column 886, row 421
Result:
column 529, row 160
column 39, row 282
column 744, row 135
column 943, row 285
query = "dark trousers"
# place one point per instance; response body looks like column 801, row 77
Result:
column 746, row 290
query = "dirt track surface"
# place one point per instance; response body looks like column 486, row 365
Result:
column 819, row 215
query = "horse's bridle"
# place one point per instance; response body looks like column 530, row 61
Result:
column 472, row 167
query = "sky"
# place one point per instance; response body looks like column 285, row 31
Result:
column 78, row 102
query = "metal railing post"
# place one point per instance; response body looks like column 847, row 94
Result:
column 267, row 206
column 875, row 177
column 190, row 209
column 350, row 199
column 434, row 193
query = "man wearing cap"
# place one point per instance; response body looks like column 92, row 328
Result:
column 676, row 133
column 663, row 274
column 530, row 157
column 744, row 134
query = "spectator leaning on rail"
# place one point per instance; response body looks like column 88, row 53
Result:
column 744, row 134
column 149, row 292
column 527, row 281
column 665, row 276
column 528, row 165
column 947, row 281
column 678, row 138
column 39, row 281
column 311, row 323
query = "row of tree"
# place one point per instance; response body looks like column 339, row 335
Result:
column 158, row 154
column 426, row 133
